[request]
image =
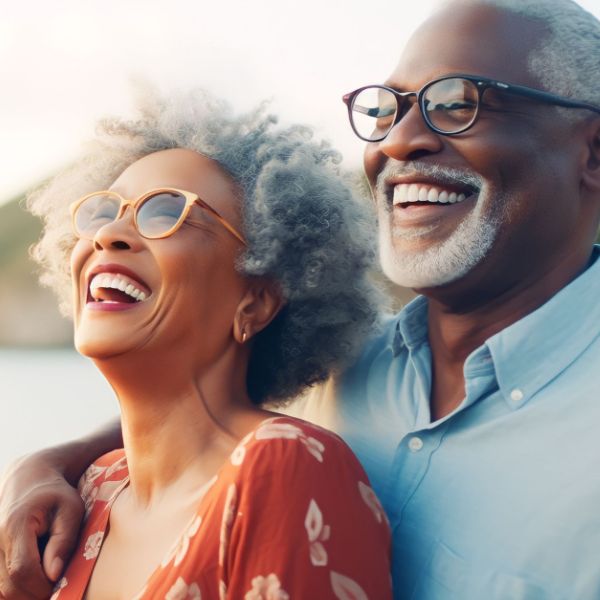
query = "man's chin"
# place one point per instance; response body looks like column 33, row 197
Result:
column 416, row 264
column 416, row 276
column 424, row 262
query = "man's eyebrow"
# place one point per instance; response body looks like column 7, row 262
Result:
column 400, row 88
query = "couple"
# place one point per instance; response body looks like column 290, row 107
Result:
column 473, row 410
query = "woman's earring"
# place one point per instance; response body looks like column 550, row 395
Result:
column 244, row 336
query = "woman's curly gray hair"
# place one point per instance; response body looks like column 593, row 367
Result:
column 304, row 227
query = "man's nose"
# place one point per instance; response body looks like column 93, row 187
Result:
column 120, row 234
column 411, row 138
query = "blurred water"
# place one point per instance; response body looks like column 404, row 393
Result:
column 48, row 396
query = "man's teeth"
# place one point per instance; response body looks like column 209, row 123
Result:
column 116, row 281
column 414, row 192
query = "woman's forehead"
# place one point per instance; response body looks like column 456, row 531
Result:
column 186, row 170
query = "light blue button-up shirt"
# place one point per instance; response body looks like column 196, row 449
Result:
column 501, row 498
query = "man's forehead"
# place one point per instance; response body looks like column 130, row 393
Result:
column 468, row 38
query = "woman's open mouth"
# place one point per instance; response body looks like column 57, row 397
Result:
column 115, row 290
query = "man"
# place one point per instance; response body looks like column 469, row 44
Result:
column 474, row 409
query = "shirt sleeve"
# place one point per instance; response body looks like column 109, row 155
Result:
column 301, row 521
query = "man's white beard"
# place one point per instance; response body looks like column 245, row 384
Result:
column 447, row 261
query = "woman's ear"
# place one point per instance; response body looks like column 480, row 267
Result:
column 591, row 173
column 257, row 308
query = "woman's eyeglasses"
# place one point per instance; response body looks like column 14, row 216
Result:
column 156, row 214
column 449, row 105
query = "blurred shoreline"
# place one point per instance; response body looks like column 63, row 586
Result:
column 48, row 396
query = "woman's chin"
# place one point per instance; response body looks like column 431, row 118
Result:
column 101, row 346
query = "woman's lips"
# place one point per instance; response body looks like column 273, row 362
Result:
column 114, row 287
column 105, row 287
column 110, row 306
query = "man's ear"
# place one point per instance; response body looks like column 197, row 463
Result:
column 591, row 172
column 257, row 308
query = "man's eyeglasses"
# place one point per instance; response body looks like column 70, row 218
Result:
column 449, row 105
column 156, row 214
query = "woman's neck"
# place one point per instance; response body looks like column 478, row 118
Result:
column 179, row 424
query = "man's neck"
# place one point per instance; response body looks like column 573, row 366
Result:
column 457, row 328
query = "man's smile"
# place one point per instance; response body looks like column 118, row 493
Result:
column 406, row 194
column 427, row 202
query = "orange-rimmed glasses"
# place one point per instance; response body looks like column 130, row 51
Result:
column 157, row 214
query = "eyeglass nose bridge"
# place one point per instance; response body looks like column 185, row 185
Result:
column 124, row 204
column 404, row 102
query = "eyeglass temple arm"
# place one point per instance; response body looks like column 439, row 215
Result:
column 542, row 96
column 223, row 222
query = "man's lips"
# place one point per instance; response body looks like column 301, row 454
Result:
column 428, row 204
column 410, row 194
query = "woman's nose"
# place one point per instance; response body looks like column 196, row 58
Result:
column 120, row 234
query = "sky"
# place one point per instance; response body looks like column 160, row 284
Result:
column 66, row 63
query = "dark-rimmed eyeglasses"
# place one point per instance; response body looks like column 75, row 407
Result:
column 157, row 214
column 449, row 104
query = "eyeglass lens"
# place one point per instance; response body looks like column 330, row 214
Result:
column 159, row 213
column 155, row 216
column 449, row 105
column 373, row 112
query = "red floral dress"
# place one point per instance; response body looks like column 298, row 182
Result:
column 289, row 516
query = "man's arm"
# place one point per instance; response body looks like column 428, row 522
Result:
column 39, row 504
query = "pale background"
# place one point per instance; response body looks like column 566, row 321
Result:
column 64, row 63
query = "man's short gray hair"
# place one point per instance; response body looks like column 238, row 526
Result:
column 567, row 59
column 305, row 228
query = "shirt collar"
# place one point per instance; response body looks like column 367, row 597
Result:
column 538, row 347
column 532, row 351
column 411, row 326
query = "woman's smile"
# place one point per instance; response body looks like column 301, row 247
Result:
column 115, row 287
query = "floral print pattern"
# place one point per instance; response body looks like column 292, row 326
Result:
column 92, row 545
column 182, row 591
column 289, row 515
column 372, row 501
column 60, row 584
column 227, row 521
column 179, row 550
column 271, row 430
column 345, row 588
column 317, row 532
column 266, row 588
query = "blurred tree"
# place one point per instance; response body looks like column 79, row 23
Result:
column 28, row 312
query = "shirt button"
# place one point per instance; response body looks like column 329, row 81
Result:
column 415, row 444
column 516, row 395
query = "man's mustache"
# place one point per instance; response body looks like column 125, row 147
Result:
column 436, row 173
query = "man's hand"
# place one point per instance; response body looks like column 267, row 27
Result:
column 36, row 504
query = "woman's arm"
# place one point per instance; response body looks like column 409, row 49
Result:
column 41, row 512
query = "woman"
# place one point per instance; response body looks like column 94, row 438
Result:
column 216, row 265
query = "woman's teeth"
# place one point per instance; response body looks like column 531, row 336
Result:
column 115, row 281
column 414, row 192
